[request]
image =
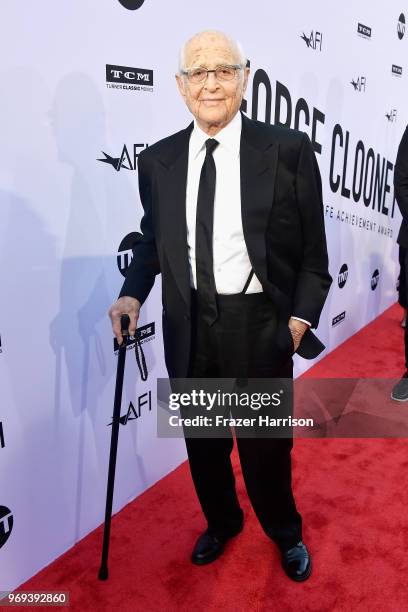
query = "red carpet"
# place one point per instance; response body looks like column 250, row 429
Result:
column 353, row 496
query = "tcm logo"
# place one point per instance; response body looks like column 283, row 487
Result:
column 392, row 115
column 144, row 333
column 338, row 318
column 359, row 84
column 396, row 70
column 363, row 31
column 125, row 77
column 342, row 277
column 132, row 5
column 314, row 41
column 374, row 280
column 125, row 160
column 135, row 413
column 401, row 26
column 6, row 524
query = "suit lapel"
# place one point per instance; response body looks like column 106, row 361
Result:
column 258, row 162
column 258, row 167
column 172, row 183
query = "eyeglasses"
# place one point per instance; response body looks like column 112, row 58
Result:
column 222, row 73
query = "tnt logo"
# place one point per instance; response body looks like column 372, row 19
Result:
column 6, row 524
column 342, row 277
column 313, row 41
column 401, row 26
column 374, row 280
column 132, row 5
column 125, row 251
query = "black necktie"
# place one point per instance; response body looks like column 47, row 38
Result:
column 204, row 236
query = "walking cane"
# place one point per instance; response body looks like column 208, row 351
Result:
column 124, row 322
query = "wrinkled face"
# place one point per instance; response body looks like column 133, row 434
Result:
column 212, row 102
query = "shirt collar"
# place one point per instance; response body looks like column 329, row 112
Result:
column 229, row 137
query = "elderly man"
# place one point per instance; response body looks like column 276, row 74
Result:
column 400, row 391
column 233, row 220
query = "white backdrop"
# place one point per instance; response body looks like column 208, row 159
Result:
column 70, row 213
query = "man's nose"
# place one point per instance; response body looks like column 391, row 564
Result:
column 211, row 82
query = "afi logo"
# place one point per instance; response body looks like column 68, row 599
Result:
column 401, row 26
column 314, row 41
column 133, row 414
column 392, row 115
column 125, row 160
column 374, row 279
column 342, row 277
column 359, row 84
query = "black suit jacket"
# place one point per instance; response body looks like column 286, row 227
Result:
column 283, row 224
column 401, row 187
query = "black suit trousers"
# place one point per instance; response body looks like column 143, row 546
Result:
column 403, row 293
column 239, row 344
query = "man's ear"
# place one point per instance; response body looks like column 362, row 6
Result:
column 246, row 75
column 181, row 85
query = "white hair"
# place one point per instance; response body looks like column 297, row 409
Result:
column 234, row 44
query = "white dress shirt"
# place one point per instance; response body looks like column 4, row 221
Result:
column 230, row 256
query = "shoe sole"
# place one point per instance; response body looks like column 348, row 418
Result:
column 208, row 559
column 305, row 576
column 217, row 554
column 399, row 399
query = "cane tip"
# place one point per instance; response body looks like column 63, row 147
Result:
column 103, row 573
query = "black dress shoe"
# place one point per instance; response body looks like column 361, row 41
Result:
column 400, row 390
column 297, row 562
column 210, row 546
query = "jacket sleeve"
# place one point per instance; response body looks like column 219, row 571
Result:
column 144, row 267
column 314, row 280
column 401, row 176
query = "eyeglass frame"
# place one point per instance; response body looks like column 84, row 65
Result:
column 235, row 66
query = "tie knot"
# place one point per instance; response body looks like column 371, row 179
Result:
column 211, row 145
